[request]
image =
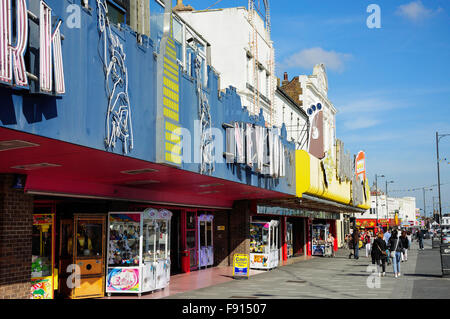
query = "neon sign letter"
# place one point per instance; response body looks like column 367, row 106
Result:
column 48, row 40
column 12, row 56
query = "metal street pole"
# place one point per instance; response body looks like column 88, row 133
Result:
column 439, row 177
column 376, row 196
column 387, row 201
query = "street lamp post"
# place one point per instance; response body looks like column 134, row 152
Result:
column 424, row 206
column 387, row 202
column 438, row 138
column 376, row 197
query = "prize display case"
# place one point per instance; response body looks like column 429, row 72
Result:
column 205, row 239
column 319, row 234
column 43, row 274
column 138, row 251
column 264, row 244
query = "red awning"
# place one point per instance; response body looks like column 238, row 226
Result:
column 86, row 172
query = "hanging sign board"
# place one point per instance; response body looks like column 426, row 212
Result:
column 241, row 266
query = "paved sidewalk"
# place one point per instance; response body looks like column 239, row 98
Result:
column 338, row 277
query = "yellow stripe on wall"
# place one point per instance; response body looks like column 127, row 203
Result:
column 173, row 148
column 172, row 127
column 170, row 69
column 171, row 104
column 171, row 63
column 171, row 114
column 171, row 55
column 171, row 75
column 169, row 49
column 170, row 94
column 173, row 138
column 171, row 85
column 173, row 158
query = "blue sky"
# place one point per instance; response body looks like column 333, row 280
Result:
column 391, row 85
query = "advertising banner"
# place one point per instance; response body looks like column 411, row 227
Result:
column 241, row 265
column 123, row 279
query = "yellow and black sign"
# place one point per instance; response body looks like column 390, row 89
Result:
column 241, row 265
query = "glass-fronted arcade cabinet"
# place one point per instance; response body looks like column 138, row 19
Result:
column 43, row 275
column 290, row 239
column 264, row 243
column 319, row 234
column 82, row 256
column 138, row 251
column 205, row 239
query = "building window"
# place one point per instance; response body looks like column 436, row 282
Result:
column 117, row 13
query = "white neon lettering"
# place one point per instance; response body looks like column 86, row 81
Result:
column 12, row 57
column 47, row 41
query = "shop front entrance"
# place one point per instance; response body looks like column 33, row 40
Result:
column 295, row 237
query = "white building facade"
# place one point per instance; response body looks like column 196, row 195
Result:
column 242, row 53
column 388, row 207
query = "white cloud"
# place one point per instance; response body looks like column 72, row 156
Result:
column 309, row 57
column 416, row 11
column 360, row 123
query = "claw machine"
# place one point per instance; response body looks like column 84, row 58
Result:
column 138, row 251
column 82, row 256
column 264, row 244
column 319, row 237
column 205, row 239
column 43, row 275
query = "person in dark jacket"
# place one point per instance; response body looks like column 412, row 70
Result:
column 420, row 238
column 355, row 238
column 396, row 248
column 405, row 244
column 379, row 254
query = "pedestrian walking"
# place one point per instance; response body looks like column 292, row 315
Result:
column 367, row 241
column 355, row 237
column 409, row 235
column 379, row 254
column 395, row 248
column 420, row 239
column 405, row 244
column 330, row 241
column 350, row 245
column 386, row 237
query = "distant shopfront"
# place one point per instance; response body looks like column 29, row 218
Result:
column 298, row 228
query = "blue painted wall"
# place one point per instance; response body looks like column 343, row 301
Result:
column 79, row 116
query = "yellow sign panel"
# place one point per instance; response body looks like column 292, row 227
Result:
column 241, row 265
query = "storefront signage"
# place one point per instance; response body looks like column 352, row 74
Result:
column 12, row 53
column 281, row 211
column 257, row 147
column 360, row 166
column 220, row 227
column 366, row 223
column 241, row 265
